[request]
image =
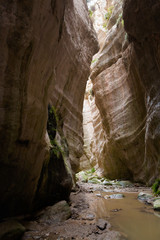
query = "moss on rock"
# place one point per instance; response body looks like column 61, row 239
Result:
column 55, row 182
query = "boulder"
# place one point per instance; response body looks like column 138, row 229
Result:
column 56, row 213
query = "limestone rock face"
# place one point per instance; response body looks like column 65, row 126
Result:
column 68, row 93
column 126, row 87
column 46, row 48
column 87, row 161
column 142, row 26
column 94, row 135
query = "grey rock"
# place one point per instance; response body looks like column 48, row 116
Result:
column 105, row 182
column 101, row 224
column 126, row 184
column 156, row 205
column 117, row 196
column 157, row 214
column 98, row 195
column 145, row 197
column 56, row 213
column 89, row 216
column 94, row 181
column 106, row 197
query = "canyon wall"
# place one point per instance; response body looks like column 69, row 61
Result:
column 94, row 135
column 46, row 49
column 125, row 76
column 142, row 25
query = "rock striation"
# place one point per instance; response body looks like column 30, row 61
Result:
column 142, row 26
column 125, row 81
column 68, row 92
column 46, row 49
column 94, row 135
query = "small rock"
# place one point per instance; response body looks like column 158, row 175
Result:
column 94, row 181
column 89, row 217
column 102, row 224
column 56, row 213
column 105, row 182
column 117, row 196
column 115, row 183
column 116, row 210
column 157, row 214
column 106, row 196
column 98, row 195
column 145, row 197
column 126, row 184
column 37, row 237
column 11, row 230
column 156, row 205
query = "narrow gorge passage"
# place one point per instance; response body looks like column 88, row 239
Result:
column 79, row 120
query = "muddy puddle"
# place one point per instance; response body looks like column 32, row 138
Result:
column 134, row 219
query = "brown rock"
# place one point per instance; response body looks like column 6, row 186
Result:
column 42, row 60
column 145, row 56
column 55, row 214
column 126, row 88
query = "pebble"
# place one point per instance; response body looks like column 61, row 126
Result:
column 101, row 224
column 89, row 217
column 98, row 195
column 117, row 196
column 106, row 197
column 116, row 210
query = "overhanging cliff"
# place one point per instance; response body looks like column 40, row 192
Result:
column 46, row 48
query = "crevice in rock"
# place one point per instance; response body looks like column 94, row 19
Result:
column 55, row 181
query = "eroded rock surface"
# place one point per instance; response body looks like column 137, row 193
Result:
column 125, row 76
column 142, row 26
column 46, row 49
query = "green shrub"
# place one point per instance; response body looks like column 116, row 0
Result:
column 56, row 149
column 156, row 187
column 93, row 170
column 90, row 13
column 105, row 25
column 120, row 19
column 109, row 12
